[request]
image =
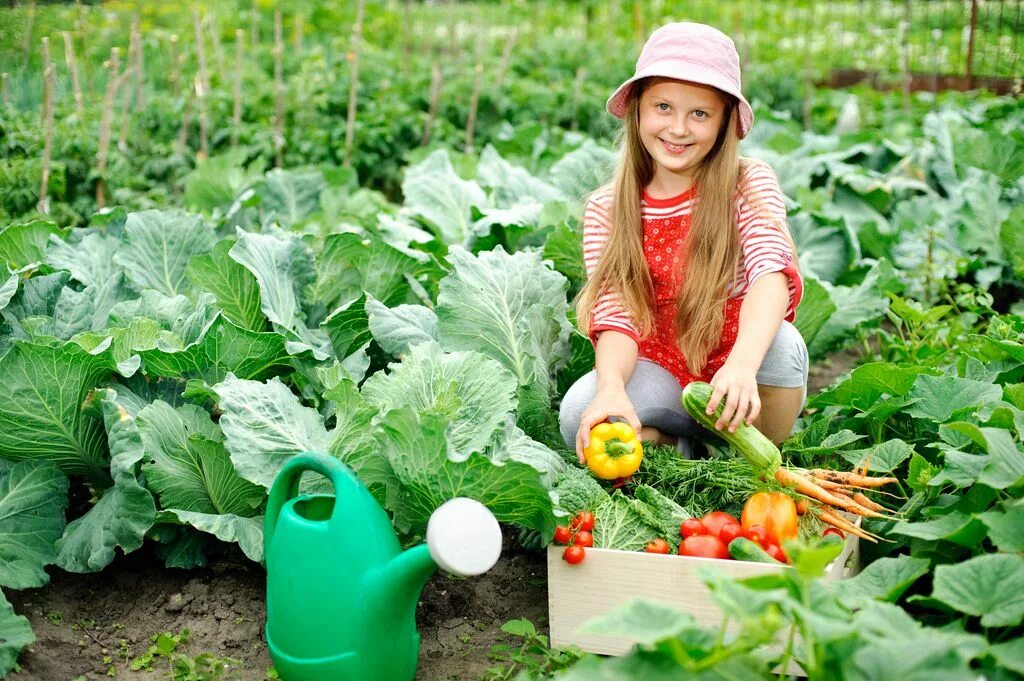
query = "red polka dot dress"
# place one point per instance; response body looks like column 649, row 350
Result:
column 764, row 249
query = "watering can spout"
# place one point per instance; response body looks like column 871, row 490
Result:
column 398, row 582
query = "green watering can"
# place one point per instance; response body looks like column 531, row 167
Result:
column 341, row 592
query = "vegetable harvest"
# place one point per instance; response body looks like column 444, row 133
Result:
column 832, row 490
column 614, row 451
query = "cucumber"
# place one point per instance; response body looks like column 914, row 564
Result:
column 742, row 548
column 748, row 441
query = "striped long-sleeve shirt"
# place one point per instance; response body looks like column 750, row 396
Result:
column 760, row 207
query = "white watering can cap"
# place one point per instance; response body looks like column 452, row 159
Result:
column 463, row 537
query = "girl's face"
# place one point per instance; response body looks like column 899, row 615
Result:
column 678, row 125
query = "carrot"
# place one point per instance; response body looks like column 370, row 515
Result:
column 845, row 525
column 868, row 503
column 815, row 491
column 852, row 479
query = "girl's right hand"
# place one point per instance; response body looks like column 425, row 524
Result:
column 607, row 402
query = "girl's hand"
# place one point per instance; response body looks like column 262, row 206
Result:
column 738, row 385
column 607, row 402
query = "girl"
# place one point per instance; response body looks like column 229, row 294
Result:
column 691, row 269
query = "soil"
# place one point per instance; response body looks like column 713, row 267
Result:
column 79, row 620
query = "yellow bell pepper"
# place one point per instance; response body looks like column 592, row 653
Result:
column 614, row 451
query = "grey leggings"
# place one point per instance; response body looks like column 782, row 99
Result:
column 655, row 393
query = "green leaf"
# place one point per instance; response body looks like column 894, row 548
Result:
column 32, row 501
column 816, row 308
column 884, row 458
column 41, row 396
column 352, row 440
column 15, row 634
column 417, row 449
column 509, row 307
column 397, row 329
column 1004, row 465
column 1006, row 529
column 159, row 245
column 90, row 260
column 1009, row 654
column 125, row 512
column 264, row 425
column 511, row 184
column 189, row 468
column 348, row 326
column 811, row 559
column 642, row 621
column 860, row 305
column 234, row 287
column 956, row 527
column 24, row 245
column 217, row 180
column 939, row 397
column 921, row 472
column 473, row 393
column 247, row 532
column 989, row 586
column 434, row 192
column 283, row 267
column 1011, row 238
column 868, row 383
column 618, row 525
column 582, row 170
column 290, row 195
column 885, row 579
column 959, row 469
column 8, row 289
column 351, row 264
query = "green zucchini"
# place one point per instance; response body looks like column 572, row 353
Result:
column 742, row 548
column 748, row 441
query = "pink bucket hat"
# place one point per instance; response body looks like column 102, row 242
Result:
column 692, row 52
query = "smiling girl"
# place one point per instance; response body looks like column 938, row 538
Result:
column 691, row 269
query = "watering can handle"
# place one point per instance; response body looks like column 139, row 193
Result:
column 286, row 485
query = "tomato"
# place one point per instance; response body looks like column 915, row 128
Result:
column 833, row 530
column 758, row 535
column 573, row 555
column 729, row 532
column 703, row 546
column 715, row 520
column 776, row 552
column 583, row 538
column 584, row 520
column 657, row 546
column 691, row 527
column 562, row 534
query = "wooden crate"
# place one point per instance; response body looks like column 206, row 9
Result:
column 577, row 593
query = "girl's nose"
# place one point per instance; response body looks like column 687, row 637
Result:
column 679, row 128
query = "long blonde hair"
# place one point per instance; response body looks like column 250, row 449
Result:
column 711, row 250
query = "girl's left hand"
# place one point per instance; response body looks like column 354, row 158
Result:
column 738, row 385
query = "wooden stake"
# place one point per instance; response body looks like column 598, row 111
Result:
column 174, row 79
column 435, row 101
column 300, row 28
column 80, row 28
column 204, row 119
column 200, row 51
column 236, row 116
column 254, row 27
column 186, row 117
column 506, row 57
column 353, row 88
column 113, row 81
column 126, row 108
column 577, row 94
column 69, row 59
column 970, row 44
column 28, row 30
column 278, row 91
column 5, row 93
column 905, row 54
column 49, row 78
column 638, row 22
column 474, row 101
column 218, row 47
column 136, row 39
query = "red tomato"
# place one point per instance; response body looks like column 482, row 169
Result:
column 692, row 527
column 562, row 534
column 583, row 538
column 758, row 535
column 715, row 520
column 729, row 532
column 573, row 555
column 703, row 546
column 776, row 552
column 833, row 530
column 657, row 546
column 584, row 520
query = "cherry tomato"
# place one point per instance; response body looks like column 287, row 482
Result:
column 573, row 555
column 562, row 534
column 833, row 530
column 657, row 546
column 776, row 552
column 729, row 532
column 583, row 538
column 584, row 520
column 692, row 527
column 715, row 520
column 758, row 535
column 703, row 546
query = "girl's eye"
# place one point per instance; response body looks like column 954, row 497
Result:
column 662, row 106
column 700, row 113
